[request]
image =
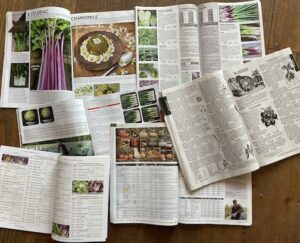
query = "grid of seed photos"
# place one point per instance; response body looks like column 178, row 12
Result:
column 140, row 106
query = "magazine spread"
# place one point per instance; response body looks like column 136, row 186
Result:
column 146, row 186
column 50, row 193
column 52, row 55
column 176, row 44
column 81, row 127
column 236, row 120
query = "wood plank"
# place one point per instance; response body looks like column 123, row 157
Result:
column 286, row 25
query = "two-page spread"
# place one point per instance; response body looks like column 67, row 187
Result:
column 146, row 186
column 53, row 55
column 177, row 44
column 232, row 122
column 65, row 196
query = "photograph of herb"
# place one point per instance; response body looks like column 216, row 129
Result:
column 239, row 13
column 268, row 116
column 104, row 49
column 251, row 50
column 61, row 230
column 290, row 75
column 14, row 159
column 144, row 144
column 46, row 114
column 147, row 18
column 148, row 54
column 19, row 75
column 50, row 56
column 129, row 100
column 30, row 117
column 150, row 113
column 147, row 37
column 242, row 85
column 83, row 187
column 250, row 32
column 84, row 91
column 147, row 96
column 73, row 146
column 104, row 89
column 148, row 70
column 132, row 116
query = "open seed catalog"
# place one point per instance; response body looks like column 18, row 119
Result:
column 176, row 44
column 232, row 122
column 65, row 196
column 146, row 186
column 52, row 55
column 80, row 127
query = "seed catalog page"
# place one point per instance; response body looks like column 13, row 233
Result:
column 144, row 178
column 37, row 61
column 81, row 199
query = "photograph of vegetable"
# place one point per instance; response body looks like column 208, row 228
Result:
column 148, row 70
column 250, row 32
column 84, row 91
column 148, row 54
column 14, row 159
column 20, row 39
column 83, row 187
column 147, row 96
column 19, row 75
column 104, row 89
column 61, row 230
column 251, row 50
column 129, row 100
column 46, row 114
column 147, row 37
column 73, row 146
column 30, row 117
column 147, row 18
column 150, row 113
column 50, row 56
column 239, row 13
column 144, row 144
column 132, row 116
column 104, row 49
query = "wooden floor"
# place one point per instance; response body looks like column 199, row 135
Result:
column 276, row 188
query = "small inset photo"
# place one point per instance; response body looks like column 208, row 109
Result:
column 147, row 96
column 30, row 117
column 46, row 114
column 235, row 210
column 148, row 54
column 150, row 113
column 13, row 159
column 19, row 75
column 144, row 83
column 147, row 18
column 87, row 186
column 133, row 116
column 129, row 100
column 147, row 37
column 61, row 230
column 104, row 89
column 84, row 91
column 148, row 70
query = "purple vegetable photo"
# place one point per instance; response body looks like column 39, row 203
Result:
column 50, row 56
